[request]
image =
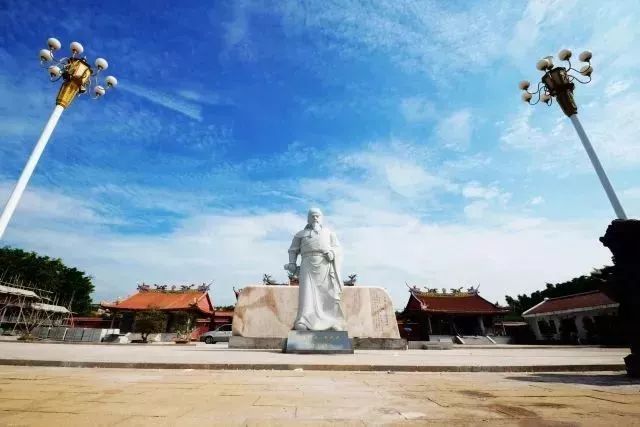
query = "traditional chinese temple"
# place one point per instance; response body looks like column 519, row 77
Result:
column 456, row 313
column 185, row 299
column 588, row 317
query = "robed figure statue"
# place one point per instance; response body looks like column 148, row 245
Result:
column 320, row 286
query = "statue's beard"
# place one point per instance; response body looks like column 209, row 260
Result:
column 314, row 226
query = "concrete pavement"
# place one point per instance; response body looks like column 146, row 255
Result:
column 202, row 356
column 36, row 396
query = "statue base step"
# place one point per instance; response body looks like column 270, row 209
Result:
column 319, row 342
column 281, row 343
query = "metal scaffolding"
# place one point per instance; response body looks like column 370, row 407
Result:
column 24, row 307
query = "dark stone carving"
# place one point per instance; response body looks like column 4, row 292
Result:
column 623, row 240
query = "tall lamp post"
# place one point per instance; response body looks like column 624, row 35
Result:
column 623, row 235
column 558, row 83
column 78, row 78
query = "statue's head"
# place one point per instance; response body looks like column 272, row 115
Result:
column 314, row 216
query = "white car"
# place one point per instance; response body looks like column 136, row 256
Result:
column 220, row 334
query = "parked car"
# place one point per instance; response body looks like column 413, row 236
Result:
column 220, row 334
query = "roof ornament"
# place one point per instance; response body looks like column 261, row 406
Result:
column 205, row 287
column 143, row 287
column 267, row 280
column 352, row 280
column 473, row 291
column 412, row 290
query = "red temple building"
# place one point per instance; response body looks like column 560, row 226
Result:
column 195, row 302
column 454, row 314
column 585, row 318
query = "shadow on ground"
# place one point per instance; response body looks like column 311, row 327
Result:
column 587, row 379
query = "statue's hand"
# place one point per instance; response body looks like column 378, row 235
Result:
column 291, row 267
column 329, row 255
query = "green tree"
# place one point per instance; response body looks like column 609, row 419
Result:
column 149, row 322
column 50, row 274
column 598, row 279
column 182, row 323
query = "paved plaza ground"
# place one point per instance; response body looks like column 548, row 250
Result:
column 203, row 356
column 43, row 396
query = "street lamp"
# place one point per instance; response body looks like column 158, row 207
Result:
column 622, row 235
column 557, row 82
column 78, row 78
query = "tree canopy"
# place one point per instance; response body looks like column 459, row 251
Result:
column 50, row 274
column 594, row 281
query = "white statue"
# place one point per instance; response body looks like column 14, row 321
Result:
column 319, row 276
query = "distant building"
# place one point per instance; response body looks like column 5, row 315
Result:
column 222, row 317
column 90, row 322
column 454, row 314
column 589, row 317
column 195, row 302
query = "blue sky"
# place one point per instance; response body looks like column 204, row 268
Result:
column 402, row 120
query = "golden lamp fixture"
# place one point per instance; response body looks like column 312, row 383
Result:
column 77, row 75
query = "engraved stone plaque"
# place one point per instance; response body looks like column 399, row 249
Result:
column 319, row 342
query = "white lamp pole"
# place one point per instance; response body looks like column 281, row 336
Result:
column 557, row 82
column 77, row 79
column 604, row 180
column 16, row 194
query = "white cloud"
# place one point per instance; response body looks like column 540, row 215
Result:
column 386, row 241
column 416, row 35
column 454, row 131
column 39, row 204
column 188, row 108
column 473, row 190
column 616, row 87
column 237, row 31
column 550, row 148
column 463, row 163
column 611, row 124
column 400, row 168
column 409, row 179
column 417, row 109
column 482, row 199
column 203, row 96
column 537, row 200
column 539, row 17
column 383, row 246
column 476, row 209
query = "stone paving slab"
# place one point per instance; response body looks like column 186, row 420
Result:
column 203, row 356
column 36, row 396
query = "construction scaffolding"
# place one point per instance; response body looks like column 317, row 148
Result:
column 25, row 307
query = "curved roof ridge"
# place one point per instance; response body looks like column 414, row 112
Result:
column 575, row 295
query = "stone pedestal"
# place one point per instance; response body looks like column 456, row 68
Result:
column 319, row 342
column 623, row 240
column 264, row 315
